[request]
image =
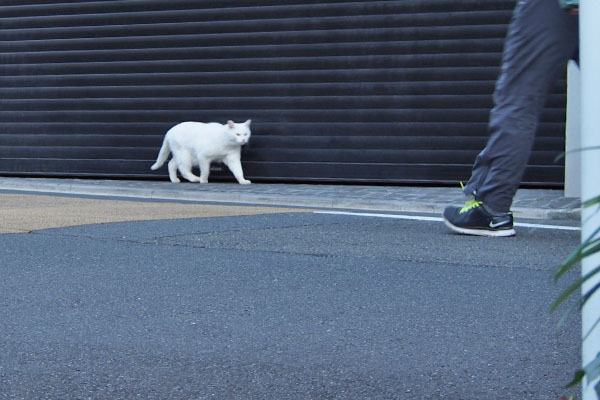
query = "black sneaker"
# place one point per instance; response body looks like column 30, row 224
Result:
column 473, row 219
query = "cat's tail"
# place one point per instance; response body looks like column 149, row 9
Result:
column 163, row 154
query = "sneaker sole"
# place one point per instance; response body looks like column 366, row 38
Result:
column 481, row 232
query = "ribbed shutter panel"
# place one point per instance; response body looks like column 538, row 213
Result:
column 338, row 91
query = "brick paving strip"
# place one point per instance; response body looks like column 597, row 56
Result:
column 22, row 213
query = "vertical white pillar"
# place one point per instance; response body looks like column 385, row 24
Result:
column 589, row 33
column 573, row 133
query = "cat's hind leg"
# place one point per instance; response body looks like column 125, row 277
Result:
column 185, row 164
column 173, row 171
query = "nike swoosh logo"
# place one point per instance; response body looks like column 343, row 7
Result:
column 495, row 225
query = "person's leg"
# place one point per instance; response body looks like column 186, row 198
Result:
column 541, row 39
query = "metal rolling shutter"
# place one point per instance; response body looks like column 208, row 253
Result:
column 342, row 91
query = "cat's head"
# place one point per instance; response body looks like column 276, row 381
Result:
column 239, row 132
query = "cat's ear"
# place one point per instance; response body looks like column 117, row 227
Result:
column 247, row 123
column 231, row 124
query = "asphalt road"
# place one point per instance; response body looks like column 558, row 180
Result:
column 282, row 305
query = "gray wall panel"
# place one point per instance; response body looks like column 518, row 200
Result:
column 338, row 91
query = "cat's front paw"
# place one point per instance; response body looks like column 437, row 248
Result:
column 245, row 182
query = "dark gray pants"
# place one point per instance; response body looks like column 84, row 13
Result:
column 541, row 39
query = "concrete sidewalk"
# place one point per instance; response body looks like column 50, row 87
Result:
column 529, row 203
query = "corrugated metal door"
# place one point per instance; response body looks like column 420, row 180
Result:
column 345, row 91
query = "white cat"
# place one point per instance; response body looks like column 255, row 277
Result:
column 197, row 143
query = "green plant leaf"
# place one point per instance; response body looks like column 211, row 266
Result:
column 573, row 288
column 564, row 153
column 591, row 202
column 576, row 379
column 592, row 370
column 568, row 312
column 578, row 305
column 585, row 249
column 591, row 329
column 589, row 294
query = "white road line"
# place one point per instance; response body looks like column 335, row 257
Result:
column 439, row 219
column 393, row 216
column 541, row 226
